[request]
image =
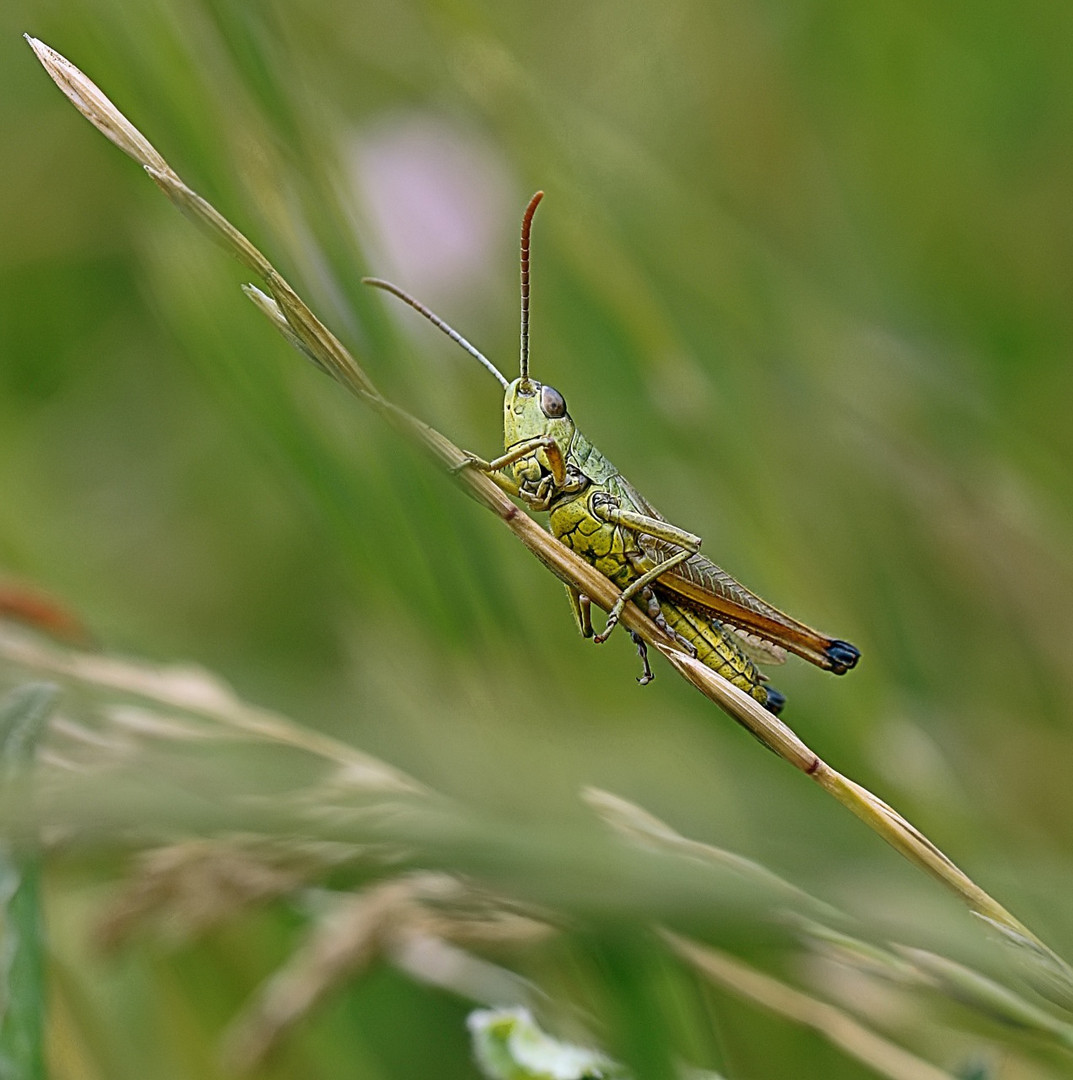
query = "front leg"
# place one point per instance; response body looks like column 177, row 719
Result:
column 556, row 461
column 501, row 480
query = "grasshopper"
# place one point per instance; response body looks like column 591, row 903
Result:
column 549, row 465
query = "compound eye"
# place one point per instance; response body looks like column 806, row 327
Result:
column 552, row 402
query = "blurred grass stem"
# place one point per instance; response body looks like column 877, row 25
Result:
column 23, row 992
column 834, row 1024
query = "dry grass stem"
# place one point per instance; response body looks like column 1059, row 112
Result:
column 288, row 312
column 886, row 1058
column 88, row 99
column 637, row 825
column 187, row 888
column 961, row 983
column 389, row 923
column 194, row 692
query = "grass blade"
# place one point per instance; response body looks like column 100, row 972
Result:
column 22, row 976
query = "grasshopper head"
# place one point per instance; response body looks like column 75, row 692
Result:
column 531, row 409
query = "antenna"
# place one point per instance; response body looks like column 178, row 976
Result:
column 527, row 224
column 436, row 321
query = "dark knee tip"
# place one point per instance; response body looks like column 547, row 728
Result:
column 843, row 656
column 775, row 701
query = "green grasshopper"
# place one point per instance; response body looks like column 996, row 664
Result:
column 550, row 466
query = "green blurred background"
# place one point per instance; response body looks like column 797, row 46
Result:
column 803, row 273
